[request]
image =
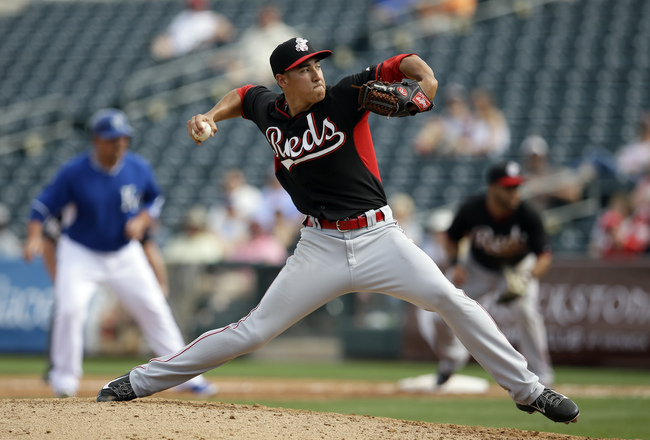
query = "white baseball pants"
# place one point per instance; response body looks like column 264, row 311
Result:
column 128, row 274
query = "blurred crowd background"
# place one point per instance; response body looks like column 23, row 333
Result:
column 560, row 86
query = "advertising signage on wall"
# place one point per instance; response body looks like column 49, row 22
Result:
column 25, row 307
column 596, row 313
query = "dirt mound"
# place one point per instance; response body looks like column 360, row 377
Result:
column 28, row 411
column 154, row 418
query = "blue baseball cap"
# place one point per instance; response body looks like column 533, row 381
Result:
column 110, row 123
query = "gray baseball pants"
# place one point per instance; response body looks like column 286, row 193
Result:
column 485, row 285
column 327, row 264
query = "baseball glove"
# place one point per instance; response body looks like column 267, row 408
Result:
column 516, row 284
column 396, row 99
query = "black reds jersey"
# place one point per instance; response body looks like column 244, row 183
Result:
column 499, row 242
column 324, row 157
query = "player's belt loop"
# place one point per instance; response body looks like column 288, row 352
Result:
column 339, row 229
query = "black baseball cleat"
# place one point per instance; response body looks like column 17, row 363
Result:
column 442, row 379
column 554, row 406
column 117, row 390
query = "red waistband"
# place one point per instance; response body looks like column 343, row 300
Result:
column 360, row 221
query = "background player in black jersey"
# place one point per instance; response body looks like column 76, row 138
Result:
column 508, row 253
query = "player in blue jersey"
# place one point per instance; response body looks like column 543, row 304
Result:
column 111, row 197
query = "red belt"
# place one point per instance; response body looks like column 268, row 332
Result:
column 360, row 221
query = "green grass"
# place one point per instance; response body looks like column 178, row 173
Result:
column 601, row 418
column 350, row 370
column 624, row 417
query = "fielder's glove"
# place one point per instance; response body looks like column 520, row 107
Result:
column 516, row 284
column 401, row 99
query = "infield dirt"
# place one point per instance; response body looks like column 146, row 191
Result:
column 28, row 412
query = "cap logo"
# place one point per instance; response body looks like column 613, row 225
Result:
column 512, row 169
column 301, row 45
column 118, row 122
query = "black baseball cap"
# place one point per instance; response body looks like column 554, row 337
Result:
column 506, row 174
column 293, row 52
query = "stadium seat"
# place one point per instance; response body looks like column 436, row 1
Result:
column 574, row 72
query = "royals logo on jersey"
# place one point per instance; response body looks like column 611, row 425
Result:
column 130, row 199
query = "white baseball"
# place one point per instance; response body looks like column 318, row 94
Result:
column 205, row 134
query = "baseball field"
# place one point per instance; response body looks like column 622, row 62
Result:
column 346, row 400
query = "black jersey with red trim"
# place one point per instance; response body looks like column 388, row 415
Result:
column 496, row 242
column 324, row 157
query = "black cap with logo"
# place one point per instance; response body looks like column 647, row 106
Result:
column 293, row 52
column 505, row 174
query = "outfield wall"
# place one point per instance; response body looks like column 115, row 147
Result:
column 597, row 312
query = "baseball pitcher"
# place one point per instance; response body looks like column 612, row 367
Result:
column 324, row 158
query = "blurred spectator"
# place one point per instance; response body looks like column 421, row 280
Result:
column 489, row 133
column 633, row 159
column 622, row 230
column 605, row 239
column 636, row 229
column 548, row 186
column 463, row 130
column 10, row 245
column 384, row 25
column 248, row 61
column 156, row 260
column 277, row 214
column 224, row 221
column 404, row 212
column 194, row 28
column 636, row 233
column 640, row 195
column 445, row 15
column 433, row 242
column 392, row 12
column 245, row 198
column 396, row 23
column 194, row 244
column 262, row 248
column 448, row 133
column 229, row 218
